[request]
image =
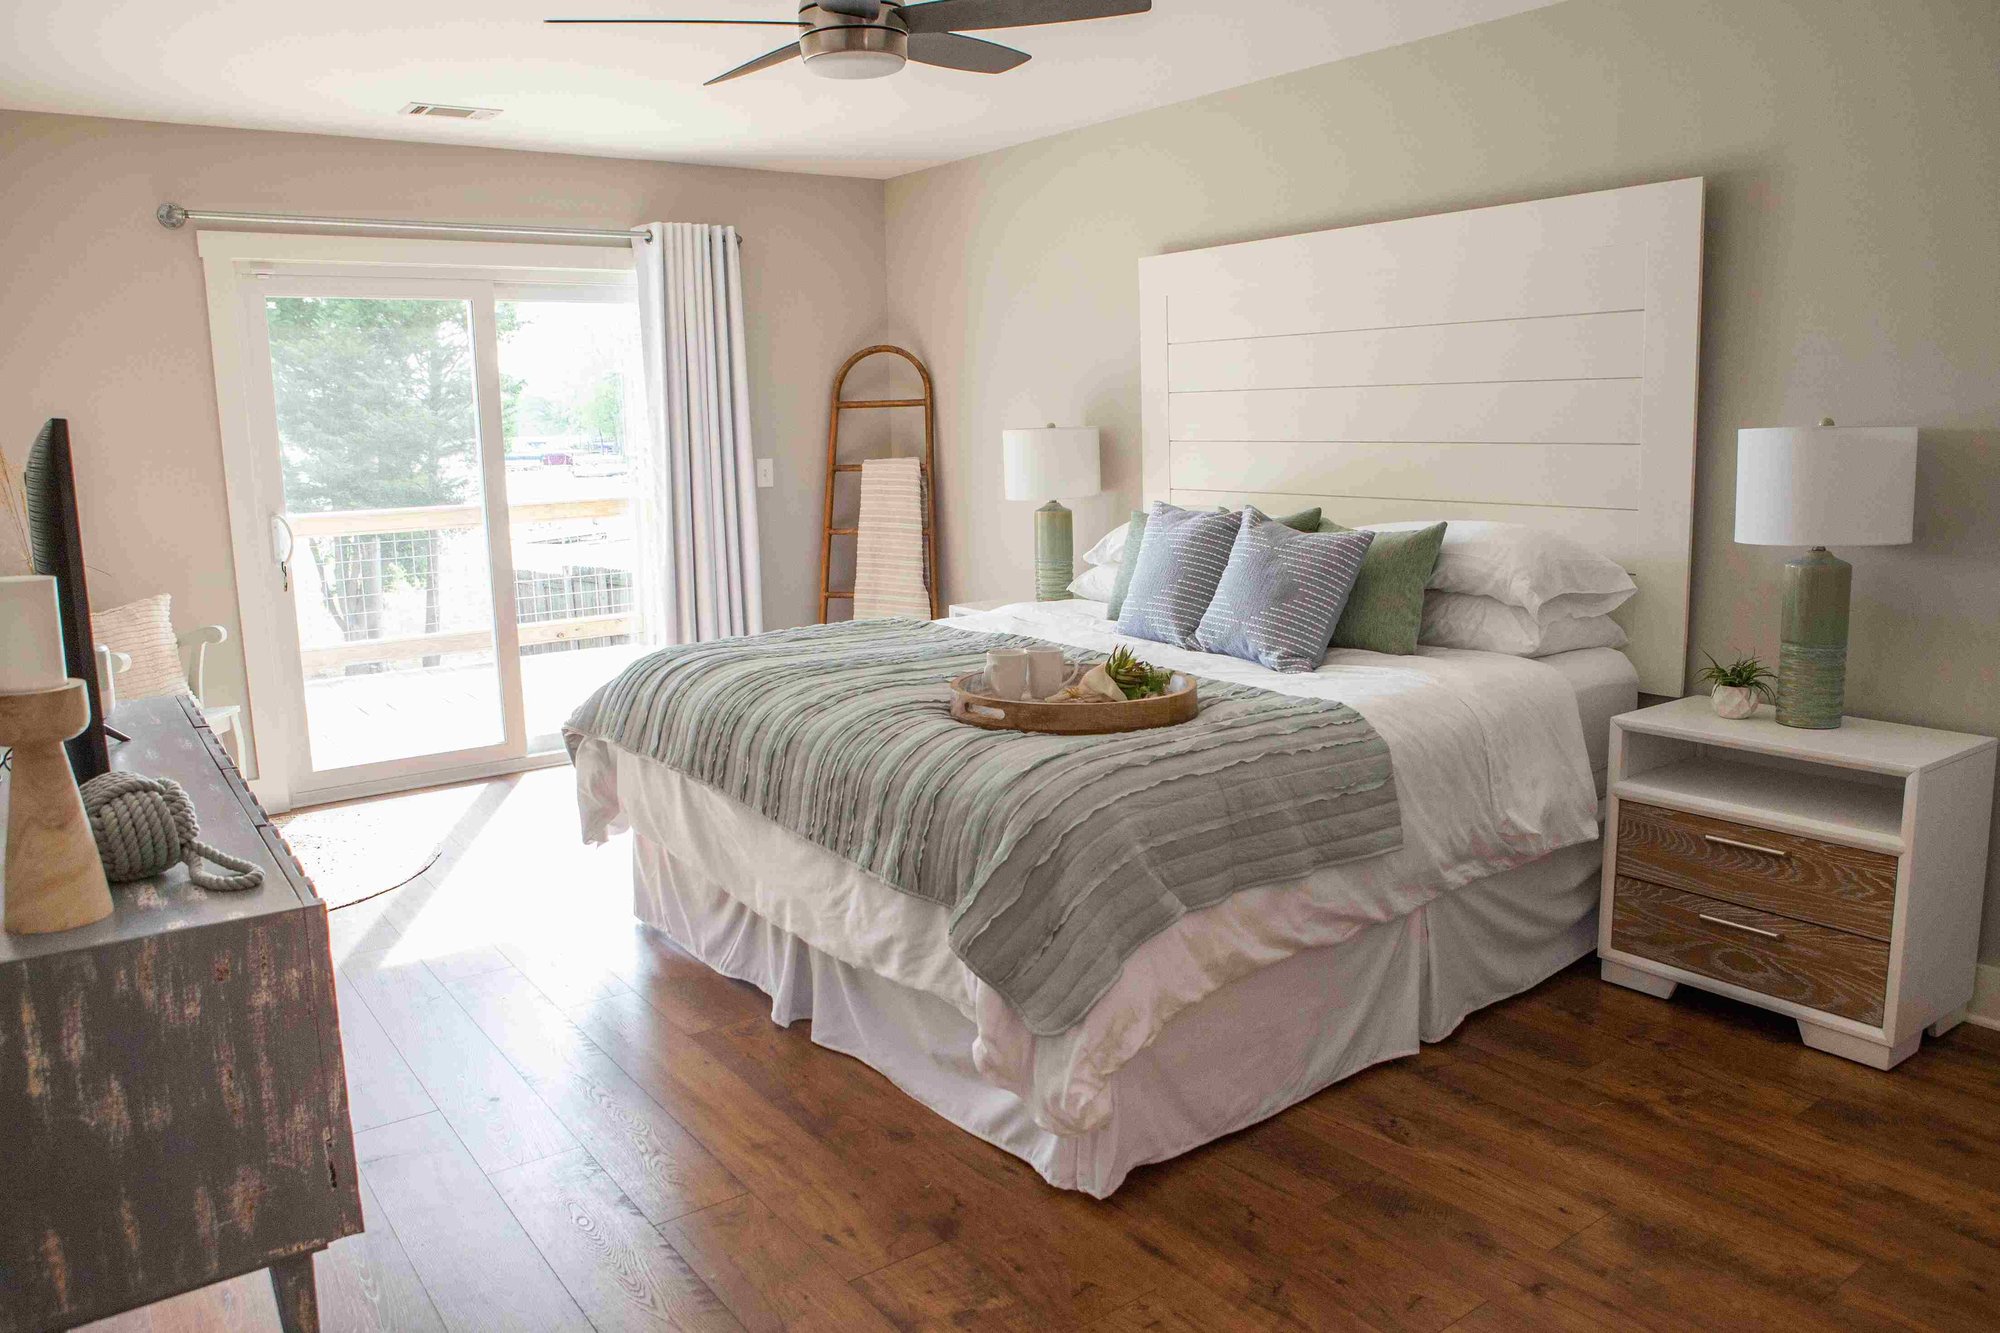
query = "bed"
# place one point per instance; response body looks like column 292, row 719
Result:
column 1262, row 363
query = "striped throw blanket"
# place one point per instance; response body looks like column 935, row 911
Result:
column 1057, row 855
column 889, row 574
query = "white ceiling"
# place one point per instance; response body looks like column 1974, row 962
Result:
column 347, row 66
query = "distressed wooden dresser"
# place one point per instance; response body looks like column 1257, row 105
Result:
column 173, row 1108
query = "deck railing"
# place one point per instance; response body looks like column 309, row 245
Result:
column 424, row 519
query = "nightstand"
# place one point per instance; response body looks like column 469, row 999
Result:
column 1835, row 876
column 957, row 609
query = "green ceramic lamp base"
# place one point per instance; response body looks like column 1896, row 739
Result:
column 1055, row 553
column 1812, row 649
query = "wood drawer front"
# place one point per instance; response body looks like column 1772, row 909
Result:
column 1823, row 969
column 1846, row 888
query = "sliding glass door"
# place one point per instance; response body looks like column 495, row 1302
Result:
column 575, row 413
column 452, row 511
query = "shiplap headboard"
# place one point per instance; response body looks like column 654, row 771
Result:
column 1530, row 363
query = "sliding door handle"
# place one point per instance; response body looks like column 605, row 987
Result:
column 283, row 543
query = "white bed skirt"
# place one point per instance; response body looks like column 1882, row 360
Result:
column 1318, row 1016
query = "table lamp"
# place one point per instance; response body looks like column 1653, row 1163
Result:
column 1818, row 487
column 1043, row 464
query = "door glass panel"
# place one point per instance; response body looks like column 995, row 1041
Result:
column 379, row 444
column 572, row 416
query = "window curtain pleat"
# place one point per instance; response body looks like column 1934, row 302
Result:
column 697, row 478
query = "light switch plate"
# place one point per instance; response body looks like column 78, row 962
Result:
column 767, row 474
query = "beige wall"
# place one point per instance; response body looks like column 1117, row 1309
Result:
column 106, row 318
column 1852, row 150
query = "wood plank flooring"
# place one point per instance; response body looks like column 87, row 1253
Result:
column 563, row 1123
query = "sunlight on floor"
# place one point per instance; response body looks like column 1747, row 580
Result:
column 514, row 878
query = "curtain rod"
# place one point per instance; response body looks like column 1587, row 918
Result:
column 173, row 216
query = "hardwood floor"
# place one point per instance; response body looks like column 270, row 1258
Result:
column 565, row 1124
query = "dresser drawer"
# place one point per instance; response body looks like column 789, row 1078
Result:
column 1823, row 969
column 1845, row 888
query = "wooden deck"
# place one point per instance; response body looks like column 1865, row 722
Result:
column 565, row 1124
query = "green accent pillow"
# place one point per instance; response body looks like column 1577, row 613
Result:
column 1386, row 607
column 1306, row 520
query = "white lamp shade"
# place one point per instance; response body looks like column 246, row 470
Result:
column 31, row 646
column 1051, row 462
column 1826, row 485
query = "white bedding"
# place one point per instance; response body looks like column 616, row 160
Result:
column 1605, row 684
column 1492, row 773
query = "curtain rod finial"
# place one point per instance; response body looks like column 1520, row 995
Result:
column 171, row 216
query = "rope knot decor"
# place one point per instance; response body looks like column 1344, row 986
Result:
column 145, row 825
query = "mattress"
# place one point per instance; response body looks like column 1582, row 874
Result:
column 1495, row 774
column 1605, row 684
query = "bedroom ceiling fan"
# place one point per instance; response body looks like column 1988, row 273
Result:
column 867, row 39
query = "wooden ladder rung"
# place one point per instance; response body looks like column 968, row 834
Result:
column 881, row 402
column 838, row 595
column 843, row 532
column 856, row 467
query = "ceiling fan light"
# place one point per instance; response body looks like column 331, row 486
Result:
column 855, row 64
column 839, row 46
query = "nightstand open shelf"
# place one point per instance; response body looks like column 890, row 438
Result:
column 1833, row 876
column 1827, row 804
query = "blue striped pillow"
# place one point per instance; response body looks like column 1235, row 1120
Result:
column 1281, row 594
column 1180, row 561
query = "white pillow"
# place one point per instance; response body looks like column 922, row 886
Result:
column 1110, row 548
column 144, row 630
column 1463, row 620
column 1525, row 567
column 1095, row 584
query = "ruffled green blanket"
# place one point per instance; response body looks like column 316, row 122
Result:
column 1057, row 855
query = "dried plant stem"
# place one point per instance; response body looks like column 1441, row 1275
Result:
column 14, row 499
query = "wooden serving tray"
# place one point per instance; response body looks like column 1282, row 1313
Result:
column 970, row 703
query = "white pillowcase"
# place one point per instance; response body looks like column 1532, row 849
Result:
column 1096, row 583
column 1525, row 567
column 1487, row 625
column 1110, row 548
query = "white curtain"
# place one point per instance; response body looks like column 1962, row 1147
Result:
column 697, row 476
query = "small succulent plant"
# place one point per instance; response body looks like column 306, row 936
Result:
column 1137, row 679
column 1745, row 673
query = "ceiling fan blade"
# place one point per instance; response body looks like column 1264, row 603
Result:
column 711, row 23
column 973, row 15
column 765, row 61
column 948, row 50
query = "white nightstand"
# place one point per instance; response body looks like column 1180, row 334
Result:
column 1832, row 876
column 957, row 609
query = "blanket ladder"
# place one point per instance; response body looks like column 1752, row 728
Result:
column 836, row 469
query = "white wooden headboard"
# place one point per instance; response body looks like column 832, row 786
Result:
column 1531, row 363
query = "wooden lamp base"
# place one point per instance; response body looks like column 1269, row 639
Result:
column 54, row 879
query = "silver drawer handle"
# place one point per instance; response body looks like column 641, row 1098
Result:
column 1738, row 925
column 1778, row 852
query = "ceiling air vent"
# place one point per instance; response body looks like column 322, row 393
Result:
column 440, row 110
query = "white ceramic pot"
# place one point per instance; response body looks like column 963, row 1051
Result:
column 1734, row 701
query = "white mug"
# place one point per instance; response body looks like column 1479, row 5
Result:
column 1047, row 672
column 1007, row 672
